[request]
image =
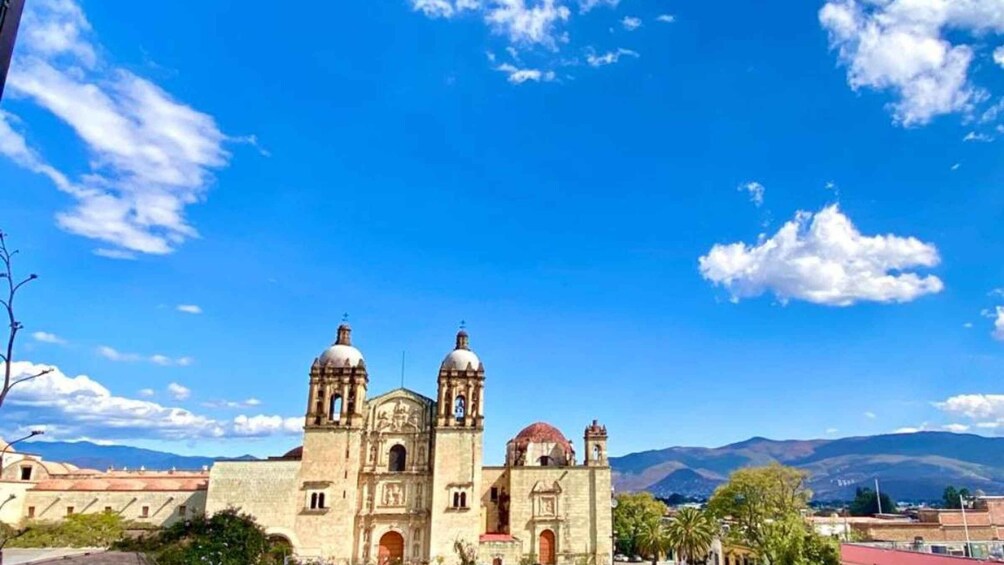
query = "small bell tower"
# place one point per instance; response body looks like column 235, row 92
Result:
column 596, row 445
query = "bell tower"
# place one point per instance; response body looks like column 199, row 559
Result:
column 457, row 451
column 338, row 381
column 332, row 450
column 595, row 439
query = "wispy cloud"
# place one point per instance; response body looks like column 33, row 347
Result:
column 609, row 57
column 46, row 337
column 665, row 18
column 520, row 76
column 189, row 308
column 870, row 415
column 113, row 354
column 822, row 258
column 150, row 155
column 76, row 407
column 630, row 23
column 179, row 392
column 218, row 404
column 755, row 191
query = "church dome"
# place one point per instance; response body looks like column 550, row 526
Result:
column 541, row 432
column 341, row 353
column 461, row 358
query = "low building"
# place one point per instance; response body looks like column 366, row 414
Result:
column 34, row 489
column 864, row 554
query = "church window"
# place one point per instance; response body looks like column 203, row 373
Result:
column 460, row 408
column 596, row 452
column 26, row 473
column 335, row 413
column 69, row 511
column 545, row 461
column 316, row 500
column 144, row 512
column 397, row 459
column 494, row 496
column 463, row 500
column 456, row 500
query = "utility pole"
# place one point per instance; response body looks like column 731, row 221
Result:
column 10, row 17
column 965, row 526
column 878, row 497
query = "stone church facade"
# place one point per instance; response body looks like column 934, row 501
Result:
column 398, row 478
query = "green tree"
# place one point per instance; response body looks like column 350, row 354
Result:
column 865, row 503
column 952, row 498
column 764, row 508
column 691, row 533
column 633, row 512
column 653, row 539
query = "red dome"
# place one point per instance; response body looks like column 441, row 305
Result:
column 295, row 453
column 541, row 432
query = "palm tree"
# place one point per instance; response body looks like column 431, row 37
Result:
column 653, row 539
column 691, row 533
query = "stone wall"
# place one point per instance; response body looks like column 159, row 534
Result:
column 268, row 490
column 12, row 509
column 573, row 502
column 456, row 468
column 157, row 508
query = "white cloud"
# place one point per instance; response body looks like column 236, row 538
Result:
column 147, row 392
column 534, row 24
column 831, row 431
column 999, row 56
column 998, row 332
column 968, row 325
column 266, row 425
column 113, row 354
column 179, row 392
column 870, row 415
column 985, row 411
column 913, row 49
column 150, row 156
column 910, row 429
column 822, row 258
column 75, row 407
column 608, row 58
column 755, row 190
column 46, row 337
column 631, row 23
column 443, row 8
column 586, row 5
column 189, row 308
column 978, row 136
column 956, row 166
column 519, row 76
column 665, row 18
column 955, row 428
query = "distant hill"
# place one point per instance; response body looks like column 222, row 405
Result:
column 85, row 454
column 909, row 466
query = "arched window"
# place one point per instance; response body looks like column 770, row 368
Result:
column 397, row 459
column 320, row 500
column 545, row 461
column 463, row 500
column 336, row 408
column 313, row 500
column 460, row 408
column 596, row 452
column 456, row 500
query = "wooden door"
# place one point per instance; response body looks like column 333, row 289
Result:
column 391, row 549
column 546, row 547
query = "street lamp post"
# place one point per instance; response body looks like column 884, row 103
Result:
column 3, row 452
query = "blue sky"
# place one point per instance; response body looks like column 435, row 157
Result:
column 695, row 222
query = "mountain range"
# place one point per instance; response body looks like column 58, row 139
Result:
column 915, row 466
column 88, row 455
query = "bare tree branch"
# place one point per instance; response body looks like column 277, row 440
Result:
column 14, row 326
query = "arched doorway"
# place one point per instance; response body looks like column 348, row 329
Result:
column 546, row 548
column 391, row 550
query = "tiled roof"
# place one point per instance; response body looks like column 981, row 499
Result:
column 541, row 432
column 122, row 482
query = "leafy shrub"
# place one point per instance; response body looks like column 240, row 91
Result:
column 227, row 538
column 78, row 530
